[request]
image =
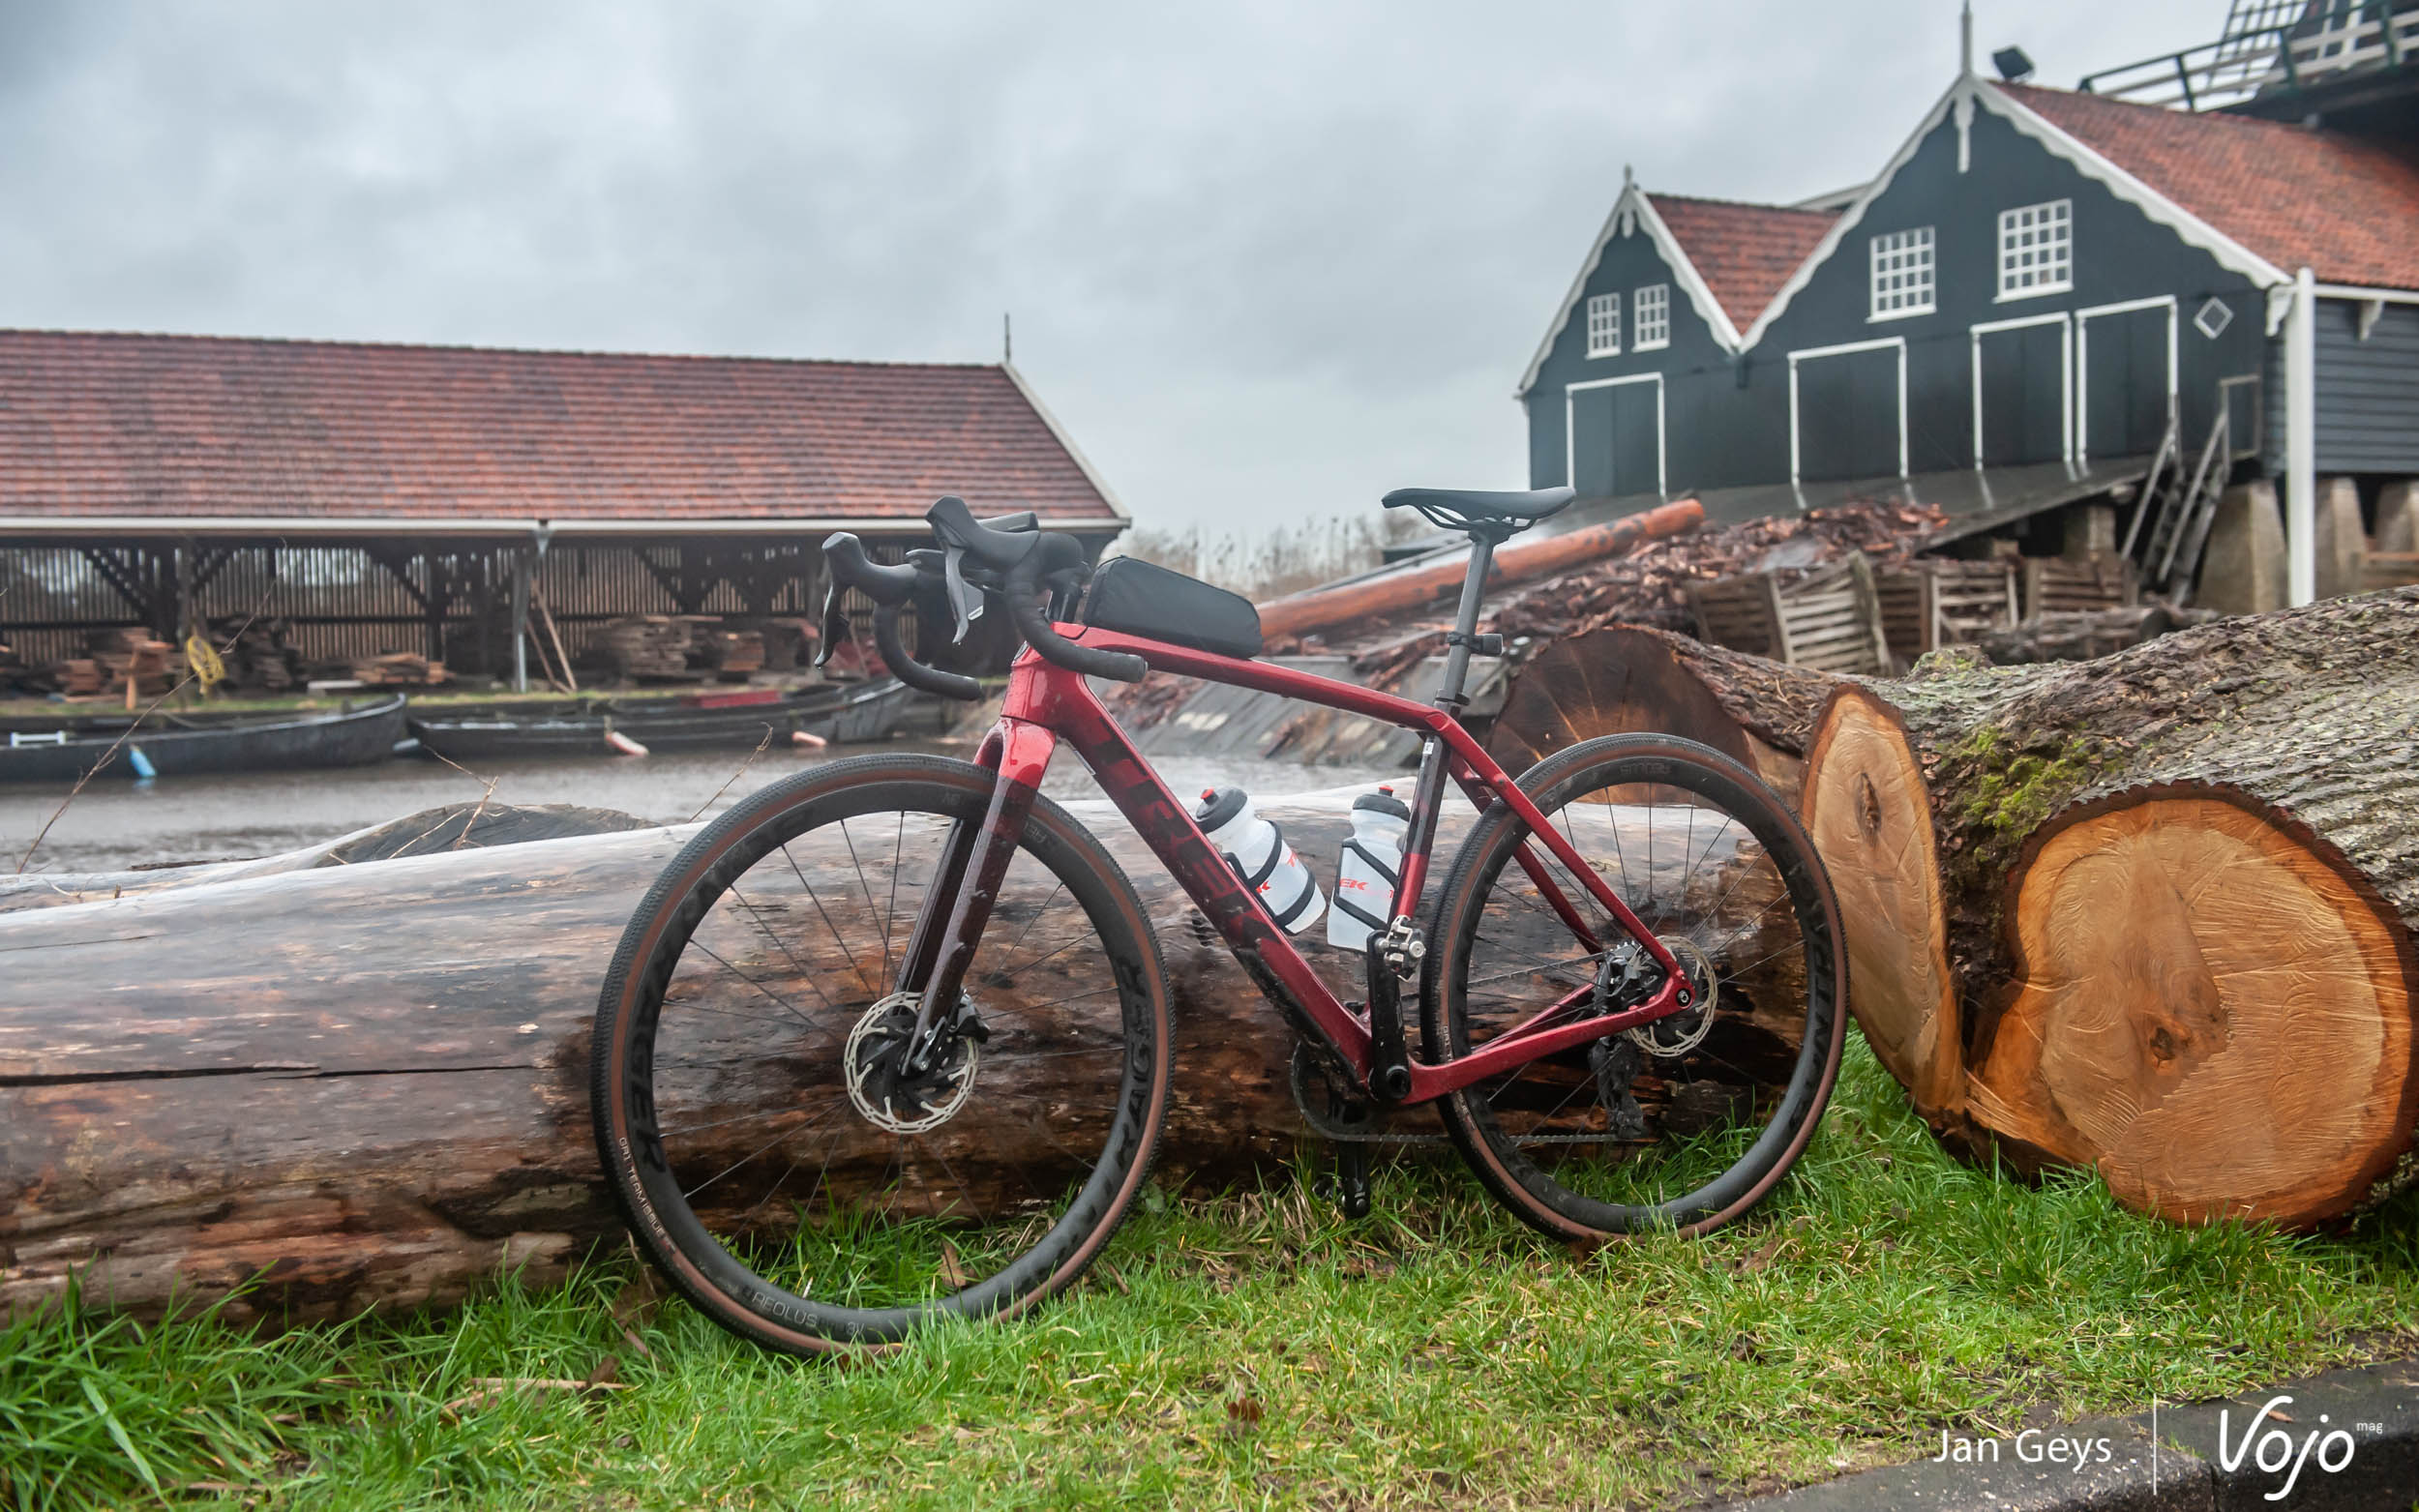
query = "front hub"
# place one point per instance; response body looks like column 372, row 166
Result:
column 885, row 1090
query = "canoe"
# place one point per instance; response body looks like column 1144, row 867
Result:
column 186, row 745
column 841, row 713
column 879, row 710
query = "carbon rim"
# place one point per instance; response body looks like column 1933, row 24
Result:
column 725, row 1116
column 1705, row 855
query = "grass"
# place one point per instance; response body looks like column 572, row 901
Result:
column 1251, row 1350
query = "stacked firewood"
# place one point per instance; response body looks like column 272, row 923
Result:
column 789, row 643
column 78, row 677
column 730, row 654
column 401, row 669
column 256, row 655
column 132, row 656
column 2151, row 914
column 1649, row 583
column 647, row 645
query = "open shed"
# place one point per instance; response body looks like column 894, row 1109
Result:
column 381, row 498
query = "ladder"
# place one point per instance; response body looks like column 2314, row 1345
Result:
column 2181, row 510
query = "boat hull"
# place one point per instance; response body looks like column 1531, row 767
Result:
column 846, row 716
column 358, row 738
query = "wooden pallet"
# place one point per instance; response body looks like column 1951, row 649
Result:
column 1936, row 602
column 1831, row 621
column 2387, row 570
column 2068, row 585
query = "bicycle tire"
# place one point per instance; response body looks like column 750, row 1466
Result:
column 1517, row 1168
column 703, row 1267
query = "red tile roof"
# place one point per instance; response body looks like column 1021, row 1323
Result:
column 180, row 426
column 1743, row 252
column 2347, row 209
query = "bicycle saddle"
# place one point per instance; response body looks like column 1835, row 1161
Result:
column 1458, row 507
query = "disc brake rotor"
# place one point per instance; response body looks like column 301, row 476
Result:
column 1682, row 1032
column 880, row 1087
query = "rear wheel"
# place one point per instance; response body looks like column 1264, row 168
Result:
column 1685, row 1124
column 769, row 1152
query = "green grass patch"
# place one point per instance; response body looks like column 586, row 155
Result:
column 1252, row 1349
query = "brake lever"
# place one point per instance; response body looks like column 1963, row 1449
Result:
column 965, row 602
column 835, row 626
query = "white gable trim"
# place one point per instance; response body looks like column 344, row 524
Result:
column 1639, row 211
column 2193, row 230
column 1854, row 215
column 1962, row 96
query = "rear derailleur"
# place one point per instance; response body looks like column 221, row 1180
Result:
column 1627, row 979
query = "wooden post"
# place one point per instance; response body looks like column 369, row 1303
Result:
column 520, row 619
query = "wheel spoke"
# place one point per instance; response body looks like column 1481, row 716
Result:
column 818, row 899
column 833, row 1173
column 1562, row 1160
column 850, row 841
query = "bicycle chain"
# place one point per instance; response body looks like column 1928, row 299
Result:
column 1305, row 1054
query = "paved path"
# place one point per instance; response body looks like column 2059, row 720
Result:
column 2344, row 1441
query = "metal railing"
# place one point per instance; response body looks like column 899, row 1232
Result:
column 2326, row 39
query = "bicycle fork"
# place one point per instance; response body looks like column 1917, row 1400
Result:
column 974, row 862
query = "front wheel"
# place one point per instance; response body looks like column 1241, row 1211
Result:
column 1685, row 1124
column 779, row 1162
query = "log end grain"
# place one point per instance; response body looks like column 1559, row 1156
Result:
column 1625, row 678
column 1865, row 805
column 2211, row 1007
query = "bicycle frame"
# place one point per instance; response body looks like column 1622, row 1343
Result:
column 1046, row 703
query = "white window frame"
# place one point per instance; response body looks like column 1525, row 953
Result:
column 1570, row 429
column 2066, row 374
column 2011, row 224
column 1660, row 308
column 1603, row 319
column 1902, row 242
column 1843, row 349
column 2083, row 366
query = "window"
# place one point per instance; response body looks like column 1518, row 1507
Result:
column 1604, row 325
column 1649, row 317
column 2037, row 249
column 1902, row 273
column 2213, row 319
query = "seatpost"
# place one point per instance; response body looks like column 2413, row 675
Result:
column 1393, row 956
column 1466, row 623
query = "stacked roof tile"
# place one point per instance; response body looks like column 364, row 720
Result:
column 181, row 426
column 1743, row 252
column 2299, row 196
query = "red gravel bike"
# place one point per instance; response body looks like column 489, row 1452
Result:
column 890, row 1040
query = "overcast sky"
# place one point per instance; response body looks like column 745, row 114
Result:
column 1265, row 261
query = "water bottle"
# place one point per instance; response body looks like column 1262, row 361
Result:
column 1371, row 865
column 1257, row 850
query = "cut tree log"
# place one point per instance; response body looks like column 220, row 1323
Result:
column 1859, row 805
column 366, row 1084
column 1388, row 593
column 1626, row 677
column 2176, row 891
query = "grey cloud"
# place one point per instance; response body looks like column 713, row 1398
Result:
column 1264, row 260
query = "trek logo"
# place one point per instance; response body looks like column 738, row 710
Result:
column 2273, row 1451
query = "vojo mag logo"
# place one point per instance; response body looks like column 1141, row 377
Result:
column 2273, row 1450
column 2269, row 1448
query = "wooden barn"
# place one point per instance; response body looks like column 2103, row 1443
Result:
column 2140, row 292
column 423, row 499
